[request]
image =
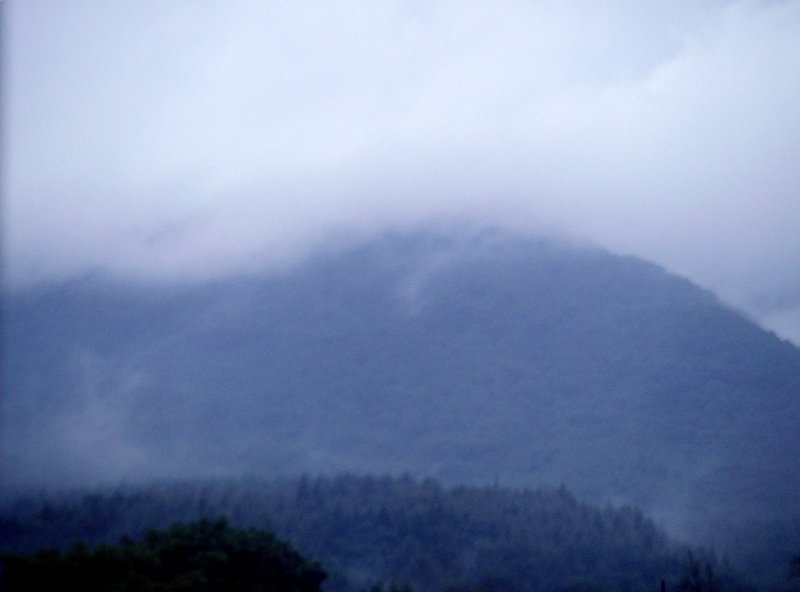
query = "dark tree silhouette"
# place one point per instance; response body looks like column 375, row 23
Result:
column 208, row 556
column 698, row 577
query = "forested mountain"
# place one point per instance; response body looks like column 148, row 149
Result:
column 471, row 358
column 367, row 530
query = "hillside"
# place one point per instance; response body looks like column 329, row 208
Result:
column 471, row 359
column 366, row 530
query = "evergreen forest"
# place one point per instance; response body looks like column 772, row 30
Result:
column 366, row 532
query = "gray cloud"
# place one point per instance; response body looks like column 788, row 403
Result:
column 184, row 140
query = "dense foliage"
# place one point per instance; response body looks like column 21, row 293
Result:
column 365, row 530
column 204, row 556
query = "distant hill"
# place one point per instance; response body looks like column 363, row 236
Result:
column 470, row 358
column 367, row 530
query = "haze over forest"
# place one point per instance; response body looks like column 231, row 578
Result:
column 468, row 357
column 527, row 244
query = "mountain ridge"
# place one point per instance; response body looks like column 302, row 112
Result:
column 465, row 357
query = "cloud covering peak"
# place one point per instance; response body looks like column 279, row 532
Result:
column 184, row 140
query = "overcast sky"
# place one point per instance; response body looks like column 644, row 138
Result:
column 187, row 139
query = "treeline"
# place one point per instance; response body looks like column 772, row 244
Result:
column 207, row 556
column 366, row 530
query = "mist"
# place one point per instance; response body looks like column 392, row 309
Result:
column 177, row 142
column 403, row 199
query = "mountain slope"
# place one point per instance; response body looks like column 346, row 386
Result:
column 467, row 358
column 366, row 529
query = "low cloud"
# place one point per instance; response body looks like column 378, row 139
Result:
column 169, row 141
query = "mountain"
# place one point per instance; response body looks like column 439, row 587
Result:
column 469, row 357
